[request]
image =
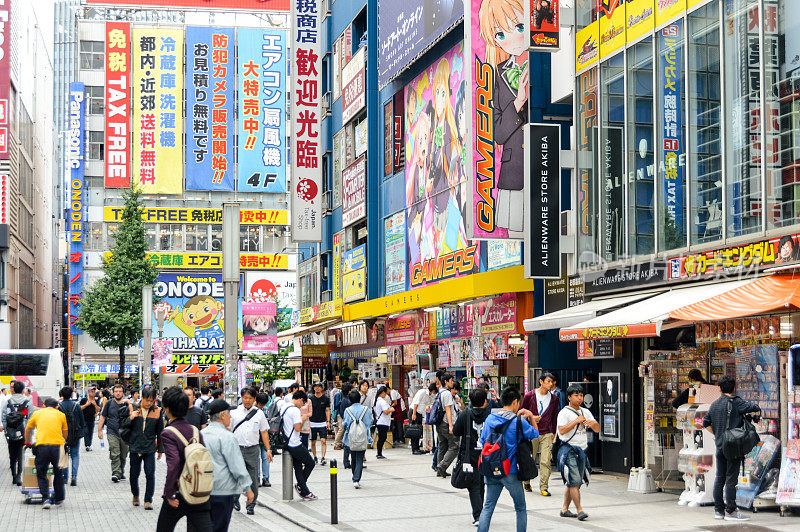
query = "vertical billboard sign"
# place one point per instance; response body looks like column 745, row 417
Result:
column 77, row 201
column 306, row 118
column 394, row 241
column 436, row 173
column 354, row 188
column 542, row 198
column 545, row 22
column 118, row 97
column 337, row 265
column 209, row 108
column 498, row 91
column 262, row 107
column 671, row 77
column 158, row 110
column 354, row 85
column 388, row 139
column 5, row 73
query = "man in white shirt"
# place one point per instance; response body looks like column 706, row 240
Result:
column 399, row 415
column 292, row 425
column 573, row 423
column 421, row 400
column 249, row 425
column 448, row 443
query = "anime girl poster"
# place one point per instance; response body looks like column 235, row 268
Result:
column 436, row 180
column 498, row 38
column 259, row 326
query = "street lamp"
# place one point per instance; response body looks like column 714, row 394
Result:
column 230, row 282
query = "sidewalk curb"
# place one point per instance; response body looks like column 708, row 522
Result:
column 316, row 526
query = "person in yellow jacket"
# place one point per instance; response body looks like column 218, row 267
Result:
column 51, row 434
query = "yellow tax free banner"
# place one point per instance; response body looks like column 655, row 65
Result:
column 158, row 110
column 211, row 216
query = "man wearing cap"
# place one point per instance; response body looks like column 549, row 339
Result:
column 249, row 424
column 231, row 477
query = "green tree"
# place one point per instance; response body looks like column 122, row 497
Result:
column 112, row 307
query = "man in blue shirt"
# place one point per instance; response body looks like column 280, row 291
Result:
column 511, row 399
column 231, row 477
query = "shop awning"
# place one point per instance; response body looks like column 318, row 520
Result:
column 574, row 315
column 644, row 318
column 775, row 292
column 295, row 332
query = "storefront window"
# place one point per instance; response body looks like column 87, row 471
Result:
column 216, row 237
column 671, row 156
column 782, row 111
column 150, row 235
column 640, row 149
column 705, row 148
column 587, row 167
column 612, row 222
column 249, row 236
column 742, row 110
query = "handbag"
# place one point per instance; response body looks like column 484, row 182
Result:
column 525, row 460
column 464, row 479
column 63, row 457
column 413, row 431
column 737, row 443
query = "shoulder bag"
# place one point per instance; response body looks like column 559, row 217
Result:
column 525, row 459
column 464, row 479
column 736, row 443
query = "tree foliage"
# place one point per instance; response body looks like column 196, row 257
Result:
column 112, row 307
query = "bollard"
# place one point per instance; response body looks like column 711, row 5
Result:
column 287, row 468
column 334, row 494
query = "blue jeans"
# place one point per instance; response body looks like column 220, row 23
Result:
column 74, row 457
column 357, row 461
column 264, row 464
column 494, row 488
column 221, row 510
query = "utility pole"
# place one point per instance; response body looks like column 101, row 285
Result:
column 230, row 282
column 147, row 334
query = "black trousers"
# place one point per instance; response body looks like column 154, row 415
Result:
column 397, row 431
column 197, row 516
column 415, row 441
column 476, row 497
column 726, row 479
column 303, row 465
column 149, row 462
column 46, row 456
column 221, row 510
column 15, row 456
column 383, row 431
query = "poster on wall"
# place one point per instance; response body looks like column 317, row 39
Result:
column 399, row 149
column 306, row 108
column 261, row 82
column 388, row 138
column 194, row 305
column 158, row 110
column 503, row 253
column 77, row 205
column 436, row 182
column 498, row 88
column 545, row 22
column 671, row 78
column 339, row 156
column 495, row 346
column 610, row 407
column 360, row 133
column 259, row 326
column 279, row 287
column 354, row 189
column 354, row 85
column 210, row 96
column 117, row 104
column 354, row 274
column 337, row 265
column 395, row 253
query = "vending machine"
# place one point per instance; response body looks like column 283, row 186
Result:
column 696, row 458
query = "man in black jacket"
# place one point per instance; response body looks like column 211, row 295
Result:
column 718, row 421
column 472, row 420
column 145, row 423
column 75, row 424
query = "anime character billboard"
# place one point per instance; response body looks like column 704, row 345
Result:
column 436, row 180
column 498, row 37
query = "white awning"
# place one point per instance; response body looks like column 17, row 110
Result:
column 644, row 318
column 295, row 332
column 573, row 315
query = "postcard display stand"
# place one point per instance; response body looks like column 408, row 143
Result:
column 696, row 459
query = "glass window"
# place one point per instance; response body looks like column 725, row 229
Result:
column 95, row 145
column 216, row 237
column 191, row 238
column 96, row 100
column 111, row 230
column 31, row 365
column 782, row 109
column 742, row 110
column 705, row 148
column 641, row 165
column 95, row 240
column 612, row 90
column 671, row 156
column 249, row 236
column 91, row 55
column 587, row 167
column 177, row 237
column 165, row 237
column 150, row 235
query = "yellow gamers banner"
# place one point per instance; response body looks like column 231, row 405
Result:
column 640, row 18
column 612, row 28
column 158, row 110
column 178, row 215
column 668, row 9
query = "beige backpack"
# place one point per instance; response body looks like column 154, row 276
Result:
column 197, row 478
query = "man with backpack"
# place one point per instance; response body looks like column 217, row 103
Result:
column 356, row 422
column 115, row 408
column 16, row 413
column 501, row 434
column 301, row 459
column 204, row 400
column 75, row 427
column 573, row 423
column 727, row 413
column 183, row 443
column 468, row 427
column 250, row 426
column 444, row 411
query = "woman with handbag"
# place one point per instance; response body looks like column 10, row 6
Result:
column 468, row 427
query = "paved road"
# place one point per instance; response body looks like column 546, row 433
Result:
column 398, row 494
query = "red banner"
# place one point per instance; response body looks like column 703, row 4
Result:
column 117, row 100
column 250, row 5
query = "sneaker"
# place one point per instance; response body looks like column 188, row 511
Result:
column 736, row 516
column 114, row 479
column 545, row 493
column 148, row 506
column 381, row 457
column 122, row 476
column 567, row 514
column 718, row 515
column 267, row 484
column 322, row 462
column 356, row 485
column 88, row 449
column 46, row 504
column 309, row 497
column 251, row 511
column 73, row 482
column 57, row 504
column 297, row 489
column 527, row 487
column 582, row 516
column 315, row 460
column 136, row 501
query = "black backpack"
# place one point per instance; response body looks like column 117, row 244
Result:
column 73, row 434
column 205, row 402
column 15, row 419
column 736, row 443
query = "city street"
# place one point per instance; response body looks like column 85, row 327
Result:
column 398, row 494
